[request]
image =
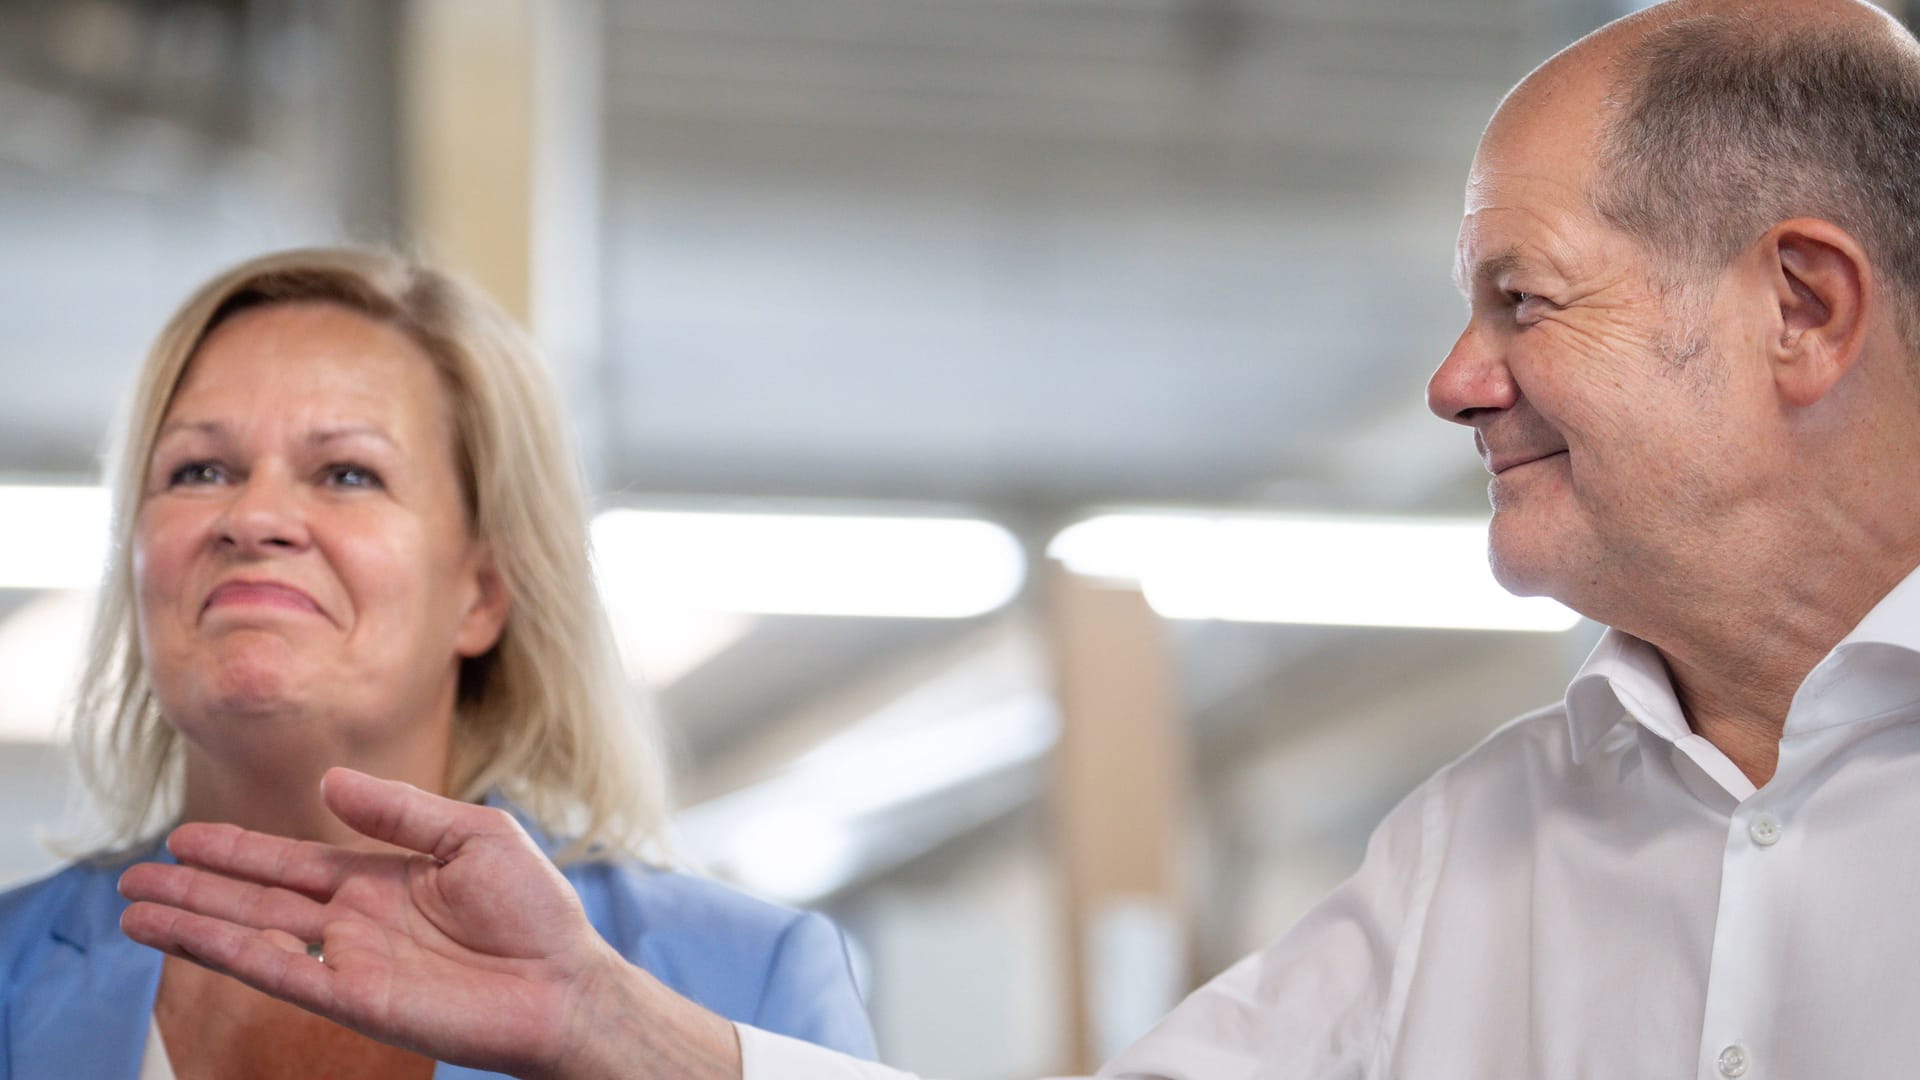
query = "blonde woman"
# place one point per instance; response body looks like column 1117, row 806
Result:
column 349, row 530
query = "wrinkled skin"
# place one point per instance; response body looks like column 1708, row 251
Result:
column 470, row 947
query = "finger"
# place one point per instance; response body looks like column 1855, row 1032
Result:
column 402, row 814
column 285, row 942
column 242, row 902
column 301, row 865
column 260, row 959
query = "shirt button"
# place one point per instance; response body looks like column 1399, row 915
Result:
column 1733, row 1061
column 1764, row 830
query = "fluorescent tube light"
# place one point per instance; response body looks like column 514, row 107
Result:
column 659, row 647
column 52, row 536
column 1328, row 571
column 43, row 645
column 793, row 564
column 809, row 830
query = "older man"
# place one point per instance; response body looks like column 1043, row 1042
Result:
column 1692, row 256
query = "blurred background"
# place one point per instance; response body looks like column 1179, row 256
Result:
column 1006, row 418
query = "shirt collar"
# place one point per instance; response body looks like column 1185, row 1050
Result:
column 1623, row 676
column 1872, row 671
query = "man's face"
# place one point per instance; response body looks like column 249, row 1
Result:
column 1601, row 407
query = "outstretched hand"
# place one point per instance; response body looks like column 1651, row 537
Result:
column 467, row 946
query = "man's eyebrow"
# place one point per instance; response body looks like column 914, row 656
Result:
column 1491, row 268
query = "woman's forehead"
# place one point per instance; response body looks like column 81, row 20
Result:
column 316, row 374
column 308, row 354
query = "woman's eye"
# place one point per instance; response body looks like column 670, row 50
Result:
column 1517, row 298
column 352, row 476
column 195, row 472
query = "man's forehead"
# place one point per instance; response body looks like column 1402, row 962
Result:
column 1550, row 145
column 1549, row 125
column 1515, row 224
column 1526, row 192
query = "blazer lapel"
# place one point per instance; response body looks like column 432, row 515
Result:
column 86, row 1010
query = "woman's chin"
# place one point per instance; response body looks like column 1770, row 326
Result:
column 248, row 687
column 252, row 673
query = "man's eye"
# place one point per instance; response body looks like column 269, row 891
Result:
column 195, row 472
column 352, row 476
column 1526, row 307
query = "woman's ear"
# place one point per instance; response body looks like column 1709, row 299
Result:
column 1822, row 289
column 486, row 616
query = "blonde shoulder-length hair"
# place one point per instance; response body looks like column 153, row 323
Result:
column 547, row 717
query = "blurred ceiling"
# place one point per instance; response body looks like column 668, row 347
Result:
column 1040, row 253
column 1030, row 257
column 1033, row 254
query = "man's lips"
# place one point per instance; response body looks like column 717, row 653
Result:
column 260, row 594
column 1499, row 463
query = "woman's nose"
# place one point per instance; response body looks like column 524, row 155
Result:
column 1472, row 381
column 265, row 514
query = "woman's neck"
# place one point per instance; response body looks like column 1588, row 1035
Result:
column 273, row 786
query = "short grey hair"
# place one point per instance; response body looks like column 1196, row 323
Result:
column 1729, row 124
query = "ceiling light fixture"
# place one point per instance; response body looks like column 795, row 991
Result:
column 1326, row 571
column 798, row 564
column 54, row 536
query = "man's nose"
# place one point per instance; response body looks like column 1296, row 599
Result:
column 1472, row 381
column 265, row 514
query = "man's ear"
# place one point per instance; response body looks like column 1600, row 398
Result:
column 486, row 616
column 1822, row 285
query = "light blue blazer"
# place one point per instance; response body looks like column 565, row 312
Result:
column 76, row 995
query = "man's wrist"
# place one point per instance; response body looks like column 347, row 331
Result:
column 632, row 1027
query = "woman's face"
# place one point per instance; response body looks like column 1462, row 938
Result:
column 305, row 574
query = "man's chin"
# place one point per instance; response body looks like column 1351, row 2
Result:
column 1520, row 568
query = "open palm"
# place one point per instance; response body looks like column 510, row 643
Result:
column 468, row 946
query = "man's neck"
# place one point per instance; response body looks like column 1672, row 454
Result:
column 1737, row 666
column 1743, row 719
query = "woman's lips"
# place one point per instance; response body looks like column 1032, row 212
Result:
column 260, row 594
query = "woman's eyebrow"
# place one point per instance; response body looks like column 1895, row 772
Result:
column 318, row 436
column 350, row 431
column 215, row 428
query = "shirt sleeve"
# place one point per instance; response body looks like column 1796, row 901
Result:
column 1322, row 1002
column 766, row 1056
column 810, row 993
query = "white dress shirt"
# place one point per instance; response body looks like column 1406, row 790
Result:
column 1595, row 891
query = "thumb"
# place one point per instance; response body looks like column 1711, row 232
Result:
column 399, row 813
